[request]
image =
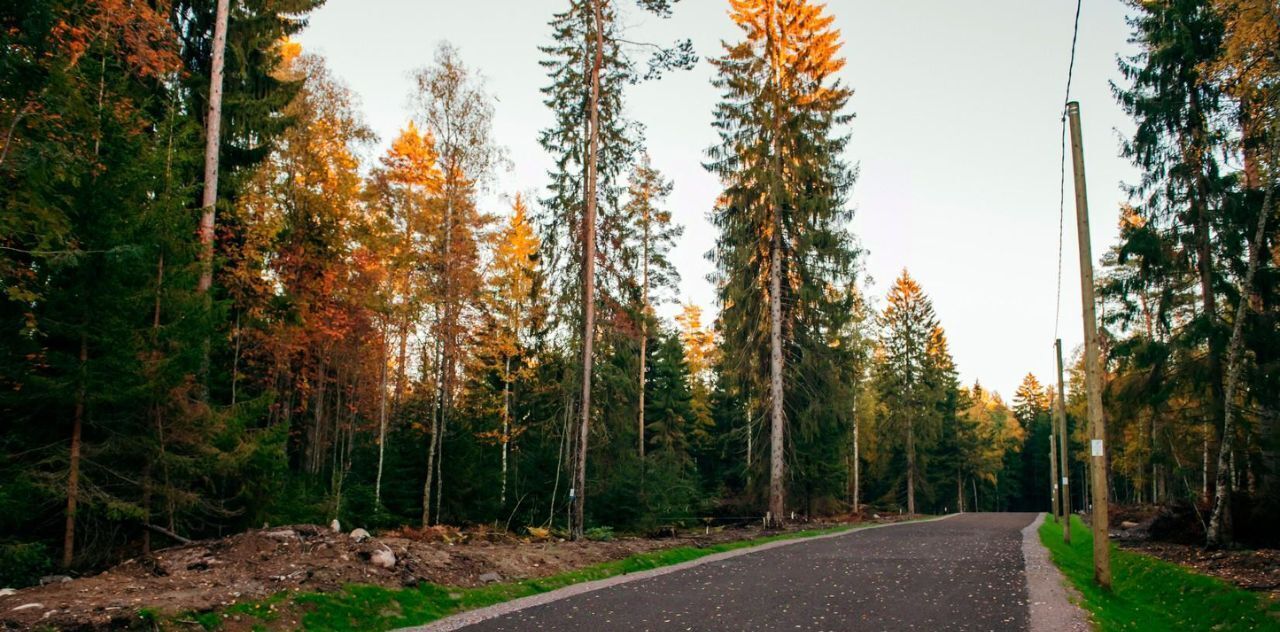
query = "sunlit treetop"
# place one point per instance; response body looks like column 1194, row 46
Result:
column 798, row 38
column 412, row 159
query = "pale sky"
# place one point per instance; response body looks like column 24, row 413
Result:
column 956, row 137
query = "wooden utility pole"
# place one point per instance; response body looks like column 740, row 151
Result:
column 213, row 131
column 1054, row 504
column 1092, row 363
column 1060, row 427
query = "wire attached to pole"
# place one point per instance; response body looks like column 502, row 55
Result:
column 1062, row 166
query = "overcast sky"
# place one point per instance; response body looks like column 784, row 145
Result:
column 956, row 138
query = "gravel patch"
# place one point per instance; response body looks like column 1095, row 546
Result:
column 1052, row 604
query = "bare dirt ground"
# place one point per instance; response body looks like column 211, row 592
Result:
column 214, row 574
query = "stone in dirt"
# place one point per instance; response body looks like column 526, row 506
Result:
column 29, row 606
column 383, row 558
column 53, row 579
column 336, row 526
column 5, row 592
column 360, row 535
column 490, row 578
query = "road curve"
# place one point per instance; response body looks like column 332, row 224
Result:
column 964, row 573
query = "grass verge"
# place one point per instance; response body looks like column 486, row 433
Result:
column 365, row 607
column 1151, row 594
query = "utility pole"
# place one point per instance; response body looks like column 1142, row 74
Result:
column 1060, row 427
column 1092, row 365
column 1053, row 461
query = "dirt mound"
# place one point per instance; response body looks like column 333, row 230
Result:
column 250, row 566
column 1179, row 523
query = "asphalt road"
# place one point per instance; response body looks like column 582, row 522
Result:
column 963, row 573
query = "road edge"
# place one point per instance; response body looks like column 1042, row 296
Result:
column 471, row 617
column 1052, row 604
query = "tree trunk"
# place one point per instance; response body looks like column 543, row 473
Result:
column 235, row 360
column 435, row 431
column 382, row 420
column 777, row 456
column 506, row 426
column 644, row 323
column 314, row 448
column 73, row 468
column 404, row 361
column 146, row 506
column 1219, row 531
column 589, row 277
column 1204, row 267
column 213, row 127
column 447, row 345
column 856, row 482
column 911, row 467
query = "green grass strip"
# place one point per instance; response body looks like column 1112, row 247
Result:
column 1151, row 594
column 367, row 607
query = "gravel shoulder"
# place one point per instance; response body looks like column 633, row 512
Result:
column 1052, row 603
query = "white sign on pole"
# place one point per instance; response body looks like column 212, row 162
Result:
column 1096, row 447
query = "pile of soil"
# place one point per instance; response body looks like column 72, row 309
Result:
column 211, row 575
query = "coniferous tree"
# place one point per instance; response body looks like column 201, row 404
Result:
column 783, row 245
column 1031, row 409
column 657, row 234
column 1182, row 190
column 912, row 377
column 1191, row 252
column 584, row 222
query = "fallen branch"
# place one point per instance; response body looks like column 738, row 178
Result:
column 167, row 533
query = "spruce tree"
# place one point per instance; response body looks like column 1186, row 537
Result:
column 909, row 377
column 783, row 244
column 585, row 229
column 1182, row 192
column 657, row 234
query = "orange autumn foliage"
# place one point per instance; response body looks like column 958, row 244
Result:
column 140, row 34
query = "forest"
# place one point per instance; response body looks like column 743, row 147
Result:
column 220, row 313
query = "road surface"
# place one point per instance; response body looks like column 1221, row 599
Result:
column 962, row 573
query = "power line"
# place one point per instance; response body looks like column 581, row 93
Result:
column 1062, row 167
